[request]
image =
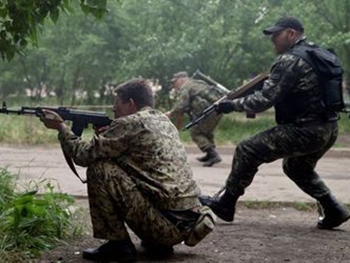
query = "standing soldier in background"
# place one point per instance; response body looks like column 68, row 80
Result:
column 194, row 97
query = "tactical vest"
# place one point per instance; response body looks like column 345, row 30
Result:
column 308, row 106
column 329, row 71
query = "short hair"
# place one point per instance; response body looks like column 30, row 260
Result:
column 137, row 89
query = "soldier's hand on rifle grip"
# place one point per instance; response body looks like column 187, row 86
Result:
column 99, row 130
column 52, row 120
column 226, row 106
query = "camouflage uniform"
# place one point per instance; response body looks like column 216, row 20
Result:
column 137, row 169
column 195, row 96
column 305, row 130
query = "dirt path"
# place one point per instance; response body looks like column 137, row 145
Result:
column 270, row 184
column 281, row 234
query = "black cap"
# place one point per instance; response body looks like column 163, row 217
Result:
column 283, row 23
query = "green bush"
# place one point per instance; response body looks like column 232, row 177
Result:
column 31, row 223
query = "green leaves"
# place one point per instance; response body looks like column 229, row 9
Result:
column 31, row 223
column 21, row 21
column 95, row 7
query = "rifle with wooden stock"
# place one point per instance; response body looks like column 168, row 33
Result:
column 242, row 91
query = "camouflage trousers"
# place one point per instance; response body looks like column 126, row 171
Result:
column 203, row 133
column 115, row 202
column 300, row 148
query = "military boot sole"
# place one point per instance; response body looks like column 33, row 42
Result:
column 203, row 159
column 212, row 161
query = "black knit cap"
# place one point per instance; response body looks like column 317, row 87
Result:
column 283, row 23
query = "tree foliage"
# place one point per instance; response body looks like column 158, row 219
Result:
column 21, row 21
column 77, row 56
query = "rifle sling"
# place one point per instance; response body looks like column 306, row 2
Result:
column 71, row 165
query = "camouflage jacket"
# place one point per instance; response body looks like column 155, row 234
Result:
column 147, row 146
column 292, row 88
column 195, row 96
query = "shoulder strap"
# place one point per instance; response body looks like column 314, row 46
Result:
column 71, row 165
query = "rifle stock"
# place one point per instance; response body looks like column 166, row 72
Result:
column 239, row 92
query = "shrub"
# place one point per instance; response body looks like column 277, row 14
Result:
column 31, row 223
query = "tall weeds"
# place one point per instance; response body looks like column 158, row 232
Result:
column 31, row 223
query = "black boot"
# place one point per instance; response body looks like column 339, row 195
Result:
column 334, row 213
column 119, row 251
column 213, row 157
column 223, row 206
column 156, row 251
column 204, row 158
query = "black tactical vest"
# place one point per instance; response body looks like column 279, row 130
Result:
column 304, row 106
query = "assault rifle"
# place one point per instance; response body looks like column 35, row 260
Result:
column 242, row 91
column 80, row 119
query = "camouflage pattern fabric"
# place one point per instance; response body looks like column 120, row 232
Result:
column 301, row 142
column 115, row 200
column 203, row 133
column 292, row 89
column 146, row 147
column 195, row 96
column 300, row 148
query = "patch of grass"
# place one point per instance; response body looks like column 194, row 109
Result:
column 29, row 130
column 232, row 129
column 301, row 206
column 344, row 123
column 31, row 223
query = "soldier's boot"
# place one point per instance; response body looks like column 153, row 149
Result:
column 204, row 158
column 223, row 206
column 113, row 250
column 156, row 251
column 334, row 213
column 214, row 157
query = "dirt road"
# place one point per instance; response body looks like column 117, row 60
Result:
column 275, row 235
column 270, row 184
column 279, row 234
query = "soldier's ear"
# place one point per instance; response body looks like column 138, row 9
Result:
column 132, row 106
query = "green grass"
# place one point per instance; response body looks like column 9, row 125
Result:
column 18, row 130
column 232, row 129
column 235, row 127
column 301, row 206
column 31, row 223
